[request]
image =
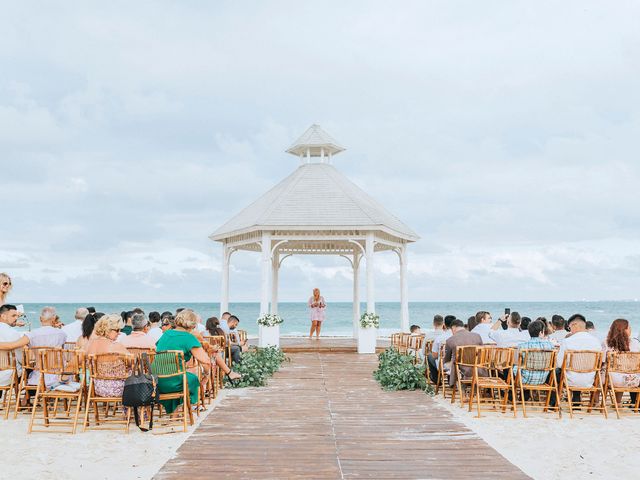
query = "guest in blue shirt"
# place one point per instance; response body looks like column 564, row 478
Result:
column 537, row 342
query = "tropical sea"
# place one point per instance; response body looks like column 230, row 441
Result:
column 339, row 315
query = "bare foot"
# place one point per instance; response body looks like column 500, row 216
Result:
column 234, row 376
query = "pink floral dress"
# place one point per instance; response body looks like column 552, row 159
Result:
column 317, row 310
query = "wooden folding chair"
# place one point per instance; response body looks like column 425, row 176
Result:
column 415, row 346
column 70, row 345
column 242, row 335
column 465, row 357
column 138, row 351
column 171, row 364
column 404, row 342
column 443, row 376
column 395, row 340
column 540, row 365
column 107, row 367
column 496, row 362
column 25, row 391
column 61, row 363
column 622, row 363
column 8, row 363
column 585, row 362
column 219, row 341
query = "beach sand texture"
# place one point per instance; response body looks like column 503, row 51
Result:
column 92, row 455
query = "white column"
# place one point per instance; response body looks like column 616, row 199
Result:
column 275, row 268
column 404, row 291
column 224, row 299
column 371, row 301
column 356, row 294
column 266, row 268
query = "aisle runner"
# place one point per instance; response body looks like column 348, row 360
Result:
column 323, row 416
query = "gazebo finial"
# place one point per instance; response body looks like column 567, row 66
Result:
column 315, row 143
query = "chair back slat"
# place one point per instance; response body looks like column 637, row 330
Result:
column 169, row 363
column 110, row 366
column 7, row 359
column 583, row 361
column 466, row 355
column 218, row 340
column 537, row 360
column 624, row 362
column 56, row 361
column 416, row 341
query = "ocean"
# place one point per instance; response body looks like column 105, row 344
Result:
column 339, row 315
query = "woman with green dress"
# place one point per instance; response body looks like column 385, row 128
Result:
column 181, row 339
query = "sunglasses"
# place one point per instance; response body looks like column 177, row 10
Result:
column 6, row 284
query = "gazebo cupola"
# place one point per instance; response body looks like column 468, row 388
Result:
column 316, row 210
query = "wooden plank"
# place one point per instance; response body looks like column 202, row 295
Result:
column 323, row 416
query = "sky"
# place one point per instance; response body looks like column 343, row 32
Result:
column 504, row 133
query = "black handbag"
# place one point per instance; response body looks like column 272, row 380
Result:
column 141, row 390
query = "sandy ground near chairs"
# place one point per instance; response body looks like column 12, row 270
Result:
column 94, row 455
column 545, row 447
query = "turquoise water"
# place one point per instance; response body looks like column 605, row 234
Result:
column 339, row 315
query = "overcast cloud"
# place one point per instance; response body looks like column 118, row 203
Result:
column 504, row 133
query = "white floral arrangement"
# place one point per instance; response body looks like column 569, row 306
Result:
column 270, row 320
column 369, row 320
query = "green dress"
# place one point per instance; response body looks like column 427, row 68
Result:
column 183, row 341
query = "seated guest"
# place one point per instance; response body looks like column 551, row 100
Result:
column 199, row 326
column 438, row 325
column 74, row 329
column 524, row 324
column 106, row 332
column 483, row 326
column 155, row 326
column 510, row 337
column 139, row 337
column 88, row 324
column 127, row 317
column 460, row 337
column 180, row 338
column 45, row 336
column 415, row 330
column 9, row 316
column 432, row 357
column 215, row 352
column 537, row 342
column 213, row 327
column 237, row 347
column 579, row 339
column 559, row 330
column 619, row 339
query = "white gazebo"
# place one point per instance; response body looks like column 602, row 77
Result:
column 316, row 211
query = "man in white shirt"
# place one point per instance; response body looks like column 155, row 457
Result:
column 440, row 339
column 155, row 324
column 45, row 336
column 483, row 327
column 73, row 331
column 9, row 316
column 510, row 337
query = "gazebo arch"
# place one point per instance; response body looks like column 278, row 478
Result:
column 316, row 211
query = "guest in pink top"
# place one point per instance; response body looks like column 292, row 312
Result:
column 317, row 306
column 139, row 337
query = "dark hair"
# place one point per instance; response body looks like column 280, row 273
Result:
column 557, row 321
column 524, row 323
column 178, row 310
column 617, row 338
column 98, row 315
column 91, row 309
column 590, row 325
column 128, row 316
column 471, row 322
column 123, row 314
column 138, row 310
column 457, row 323
column 535, row 328
column 225, row 313
column 515, row 319
column 477, row 319
column 87, row 325
column 6, row 307
column 576, row 316
column 413, row 328
column 166, row 314
column 154, row 317
column 438, row 321
column 233, row 317
column 448, row 319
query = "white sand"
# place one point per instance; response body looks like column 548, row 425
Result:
column 545, row 447
column 93, row 455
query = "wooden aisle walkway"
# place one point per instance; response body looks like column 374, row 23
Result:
column 323, row 416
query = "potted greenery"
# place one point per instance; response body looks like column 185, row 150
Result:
column 368, row 332
column 269, row 330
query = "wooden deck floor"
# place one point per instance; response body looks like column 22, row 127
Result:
column 322, row 345
column 323, row 416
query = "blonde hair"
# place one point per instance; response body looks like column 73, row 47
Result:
column 187, row 319
column 111, row 321
column 4, row 276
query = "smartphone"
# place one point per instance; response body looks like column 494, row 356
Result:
column 507, row 311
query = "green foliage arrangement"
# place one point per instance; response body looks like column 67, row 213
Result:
column 397, row 372
column 369, row 320
column 258, row 364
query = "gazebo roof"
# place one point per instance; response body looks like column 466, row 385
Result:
column 317, row 197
